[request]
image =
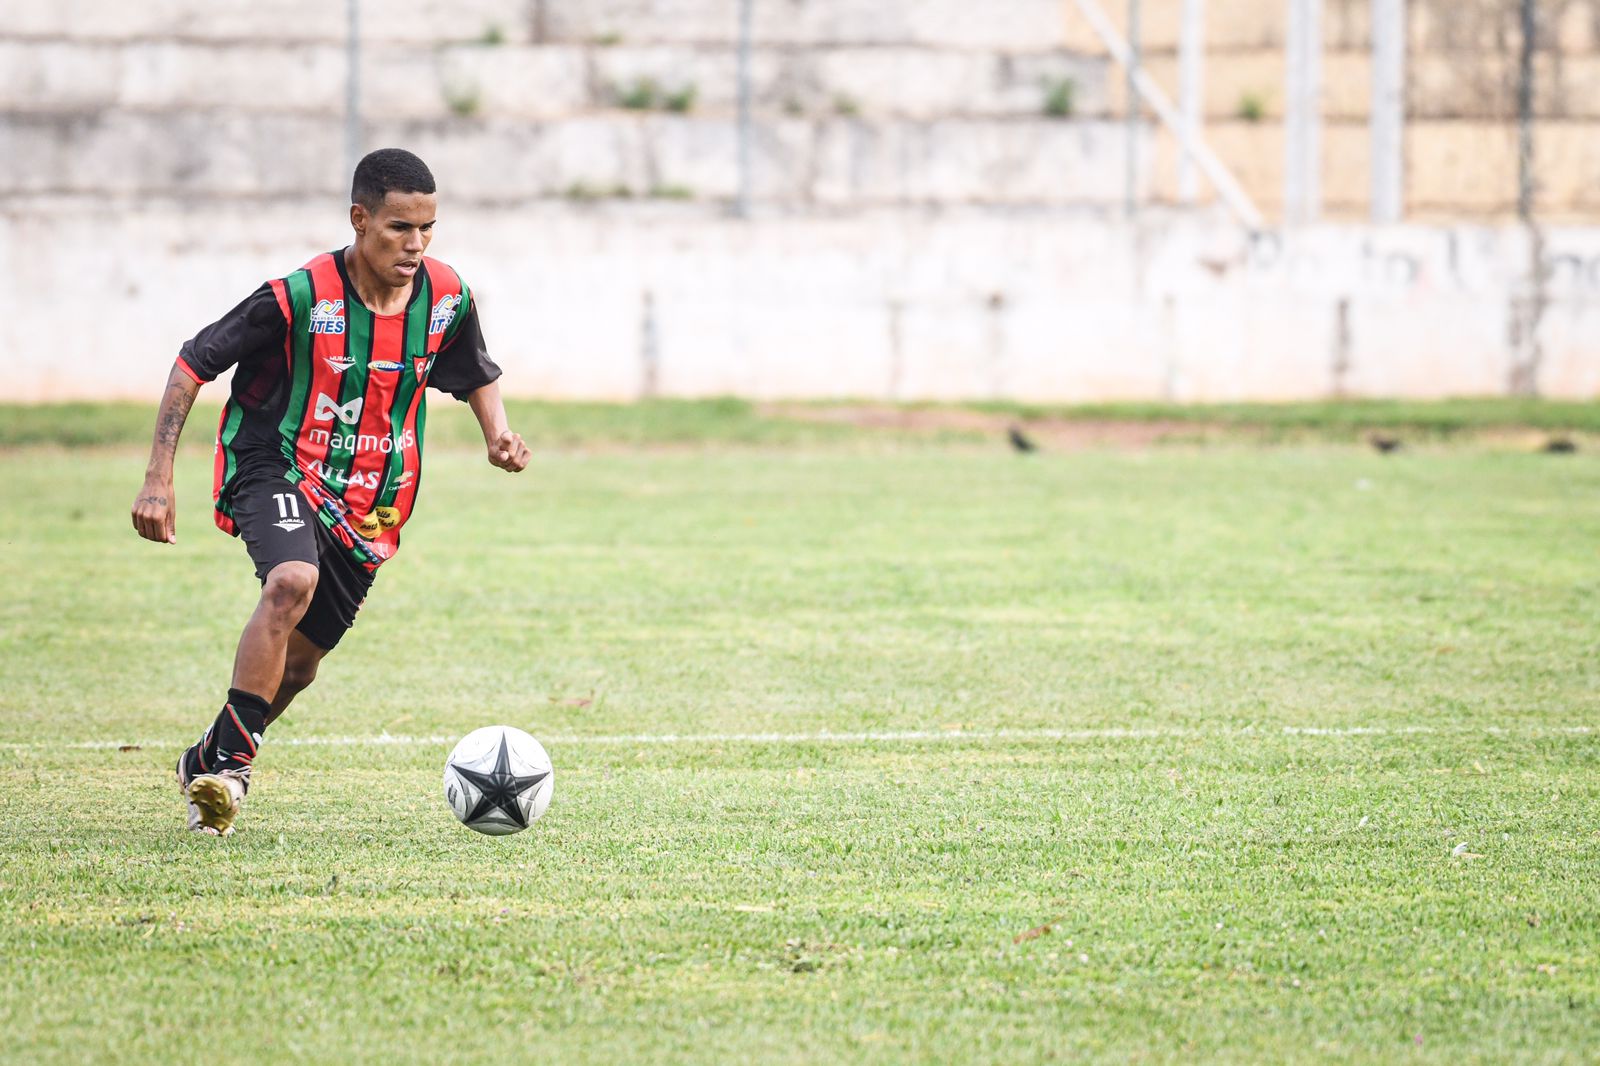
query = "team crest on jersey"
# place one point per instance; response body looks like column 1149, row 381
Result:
column 328, row 317
column 444, row 312
column 421, row 363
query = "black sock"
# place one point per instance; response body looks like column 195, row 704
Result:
column 232, row 740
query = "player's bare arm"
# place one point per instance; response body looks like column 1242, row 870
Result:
column 506, row 449
column 155, row 510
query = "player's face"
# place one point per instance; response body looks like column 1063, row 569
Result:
column 393, row 238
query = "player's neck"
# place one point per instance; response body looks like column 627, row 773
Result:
column 378, row 297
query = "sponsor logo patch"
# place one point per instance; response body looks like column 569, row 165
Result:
column 328, row 317
column 444, row 312
column 339, row 477
column 328, row 410
column 363, row 442
column 385, row 364
column 339, row 363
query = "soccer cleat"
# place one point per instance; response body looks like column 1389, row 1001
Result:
column 214, row 799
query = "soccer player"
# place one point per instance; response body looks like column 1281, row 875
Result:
column 319, row 451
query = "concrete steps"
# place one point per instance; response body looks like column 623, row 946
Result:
column 830, row 162
column 160, row 101
column 993, row 24
column 538, row 81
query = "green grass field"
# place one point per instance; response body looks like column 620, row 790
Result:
column 866, row 752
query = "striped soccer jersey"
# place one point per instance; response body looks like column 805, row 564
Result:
column 333, row 394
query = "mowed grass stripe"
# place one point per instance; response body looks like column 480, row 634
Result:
column 796, row 593
column 911, row 736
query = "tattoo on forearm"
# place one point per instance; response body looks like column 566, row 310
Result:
column 176, row 412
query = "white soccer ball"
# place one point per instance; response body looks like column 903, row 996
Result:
column 498, row 780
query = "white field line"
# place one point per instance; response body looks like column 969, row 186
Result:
column 907, row 736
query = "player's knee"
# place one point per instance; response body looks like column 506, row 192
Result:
column 288, row 588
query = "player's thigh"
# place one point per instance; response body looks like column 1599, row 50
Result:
column 275, row 522
column 341, row 590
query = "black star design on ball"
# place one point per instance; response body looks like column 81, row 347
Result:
column 499, row 789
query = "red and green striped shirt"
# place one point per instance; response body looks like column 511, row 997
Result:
column 332, row 395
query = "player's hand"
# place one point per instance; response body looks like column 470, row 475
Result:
column 509, row 453
column 155, row 512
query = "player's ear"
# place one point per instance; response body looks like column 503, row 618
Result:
column 358, row 218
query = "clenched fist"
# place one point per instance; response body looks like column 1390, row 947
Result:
column 155, row 512
column 509, row 453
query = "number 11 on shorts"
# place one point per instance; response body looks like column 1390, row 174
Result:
column 288, row 511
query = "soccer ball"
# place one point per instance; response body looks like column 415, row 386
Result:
column 498, row 780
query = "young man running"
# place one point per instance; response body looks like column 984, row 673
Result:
column 319, row 451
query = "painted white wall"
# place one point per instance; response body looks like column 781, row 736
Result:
column 1031, row 305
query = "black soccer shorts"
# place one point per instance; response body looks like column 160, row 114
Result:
column 278, row 526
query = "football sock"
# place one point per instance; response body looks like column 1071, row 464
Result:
column 232, row 740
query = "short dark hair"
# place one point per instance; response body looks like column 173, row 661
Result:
column 388, row 170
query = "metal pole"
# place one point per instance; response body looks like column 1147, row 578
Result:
column 1388, row 110
column 1302, row 178
column 352, row 88
column 1292, row 92
column 1313, row 110
column 1131, row 113
column 744, row 107
column 1191, row 91
column 1530, row 36
column 1528, row 311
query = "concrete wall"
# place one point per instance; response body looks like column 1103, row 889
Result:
column 897, row 304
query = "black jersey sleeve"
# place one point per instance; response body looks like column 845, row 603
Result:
column 252, row 331
column 463, row 365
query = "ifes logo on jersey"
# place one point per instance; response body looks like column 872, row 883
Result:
column 444, row 312
column 328, row 317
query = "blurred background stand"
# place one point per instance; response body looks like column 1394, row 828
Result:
column 1130, row 199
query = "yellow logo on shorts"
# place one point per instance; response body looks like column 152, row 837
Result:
column 367, row 525
column 388, row 517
